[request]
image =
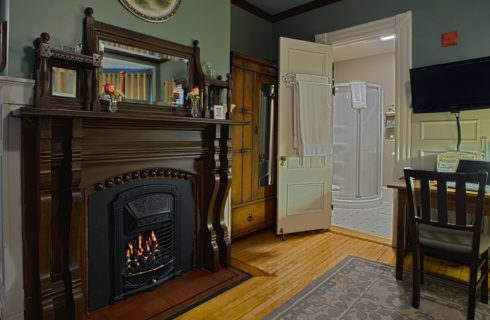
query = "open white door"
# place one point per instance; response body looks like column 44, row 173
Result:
column 304, row 183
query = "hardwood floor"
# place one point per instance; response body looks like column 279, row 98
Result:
column 283, row 268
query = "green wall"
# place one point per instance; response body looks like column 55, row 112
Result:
column 207, row 21
column 250, row 34
column 431, row 18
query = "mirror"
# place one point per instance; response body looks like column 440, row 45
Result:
column 266, row 134
column 64, row 82
column 143, row 76
column 147, row 69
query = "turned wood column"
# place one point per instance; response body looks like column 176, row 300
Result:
column 225, row 155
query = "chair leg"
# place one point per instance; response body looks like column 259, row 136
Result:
column 484, row 284
column 421, row 266
column 472, row 291
column 416, row 277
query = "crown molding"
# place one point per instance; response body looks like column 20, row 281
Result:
column 285, row 14
column 253, row 9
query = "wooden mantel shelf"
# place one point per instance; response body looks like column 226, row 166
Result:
column 27, row 112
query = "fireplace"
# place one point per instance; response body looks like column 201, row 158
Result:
column 84, row 215
column 141, row 234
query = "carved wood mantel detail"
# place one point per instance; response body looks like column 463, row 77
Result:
column 69, row 155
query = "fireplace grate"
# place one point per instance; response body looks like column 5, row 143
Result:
column 149, row 256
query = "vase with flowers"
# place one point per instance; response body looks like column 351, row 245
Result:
column 112, row 95
column 193, row 98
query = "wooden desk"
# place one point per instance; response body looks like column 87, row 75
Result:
column 402, row 218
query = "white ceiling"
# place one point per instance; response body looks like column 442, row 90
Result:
column 273, row 7
column 362, row 49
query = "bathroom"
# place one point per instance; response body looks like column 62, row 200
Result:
column 364, row 136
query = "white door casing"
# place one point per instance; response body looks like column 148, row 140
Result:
column 304, row 191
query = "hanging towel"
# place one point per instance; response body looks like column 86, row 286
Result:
column 359, row 95
column 311, row 113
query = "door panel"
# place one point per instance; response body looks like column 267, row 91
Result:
column 304, row 183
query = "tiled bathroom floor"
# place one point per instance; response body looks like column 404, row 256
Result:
column 376, row 221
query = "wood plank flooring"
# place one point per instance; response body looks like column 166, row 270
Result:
column 283, row 268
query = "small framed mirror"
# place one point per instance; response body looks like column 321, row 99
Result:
column 64, row 82
column 63, row 78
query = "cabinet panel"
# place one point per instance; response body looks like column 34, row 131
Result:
column 252, row 217
column 256, row 66
column 247, row 172
column 236, row 178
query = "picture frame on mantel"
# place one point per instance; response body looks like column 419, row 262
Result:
column 152, row 11
column 3, row 45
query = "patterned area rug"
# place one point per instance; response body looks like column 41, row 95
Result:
column 362, row 289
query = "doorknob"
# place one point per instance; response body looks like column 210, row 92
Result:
column 283, row 159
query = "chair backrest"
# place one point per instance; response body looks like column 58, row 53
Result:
column 463, row 202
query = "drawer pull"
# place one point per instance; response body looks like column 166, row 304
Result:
column 250, row 217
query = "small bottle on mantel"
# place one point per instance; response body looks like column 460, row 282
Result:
column 484, row 148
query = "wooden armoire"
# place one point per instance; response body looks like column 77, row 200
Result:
column 253, row 191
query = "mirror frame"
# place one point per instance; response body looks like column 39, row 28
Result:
column 48, row 58
column 94, row 31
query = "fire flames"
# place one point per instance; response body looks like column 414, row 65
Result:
column 142, row 253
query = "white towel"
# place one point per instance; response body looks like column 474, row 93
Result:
column 311, row 112
column 359, row 95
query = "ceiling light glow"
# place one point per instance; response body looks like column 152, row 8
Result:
column 386, row 38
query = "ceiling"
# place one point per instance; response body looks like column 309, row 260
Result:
column 273, row 7
column 275, row 10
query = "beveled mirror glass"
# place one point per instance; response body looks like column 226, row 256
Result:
column 143, row 76
column 266, row 134
column 64, row 82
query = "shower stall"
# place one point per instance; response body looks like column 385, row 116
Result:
column 357, row 157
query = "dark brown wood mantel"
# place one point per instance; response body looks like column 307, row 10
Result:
column 68, row 155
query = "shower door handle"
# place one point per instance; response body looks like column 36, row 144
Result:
column 283, row 160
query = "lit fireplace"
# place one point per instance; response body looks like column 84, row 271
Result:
column 143, row 254
column 149, row 243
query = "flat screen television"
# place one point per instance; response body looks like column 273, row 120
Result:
column 450, row 87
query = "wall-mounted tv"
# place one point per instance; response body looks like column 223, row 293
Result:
column 450, row 87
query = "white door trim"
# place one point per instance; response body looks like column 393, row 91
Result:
column 401, row 26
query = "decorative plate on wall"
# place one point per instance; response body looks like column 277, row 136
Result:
column 152, row 10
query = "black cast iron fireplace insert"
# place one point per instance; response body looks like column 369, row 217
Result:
column 141, row 234
column 145, row 246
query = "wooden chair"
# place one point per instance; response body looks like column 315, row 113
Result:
column 461, row 241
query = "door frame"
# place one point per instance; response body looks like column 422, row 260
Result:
column 401, row 26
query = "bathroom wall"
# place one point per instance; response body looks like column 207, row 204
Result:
column 378, row 69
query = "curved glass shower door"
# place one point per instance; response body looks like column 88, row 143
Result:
column 357, row 144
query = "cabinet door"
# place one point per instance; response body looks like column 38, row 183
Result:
column 264, row 136
column 237, row 164
column 242, row 168
column 248, row 141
